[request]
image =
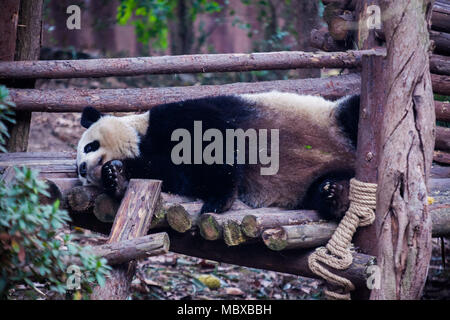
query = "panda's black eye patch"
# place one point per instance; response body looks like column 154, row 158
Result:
column 91, row 147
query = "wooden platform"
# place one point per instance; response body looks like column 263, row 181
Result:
column 49, row 164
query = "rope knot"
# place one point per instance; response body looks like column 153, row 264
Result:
column 337, row 254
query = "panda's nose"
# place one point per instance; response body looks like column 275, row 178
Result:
column 82, row 169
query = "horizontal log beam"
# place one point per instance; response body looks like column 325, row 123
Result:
column 131, row 249
column 257, row 256
column 440, row 64
column 441, row 84
column 441, row 16
column 304, row 236
column 441, row 157
column 135, row 100
column 132, row 100
column 314, row 234
column 442, row 138
column 441, row 42
column 201, row 63
column 440, row 217
column 256, row 221
column 183, row 217
column 442, row 110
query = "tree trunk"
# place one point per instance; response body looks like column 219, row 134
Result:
column 28, row 45
column 407, row 138
column 307, row 18
column 9, row 16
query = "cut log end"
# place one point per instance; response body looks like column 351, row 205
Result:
column 82, row 198
column 178, row 218
column 210, row 229
column 232, row 233
column 275, row 239
column 249, row 226
column 105, row 208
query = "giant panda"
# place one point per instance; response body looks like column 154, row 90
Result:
column 316, row 150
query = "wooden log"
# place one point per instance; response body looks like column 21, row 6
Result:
column 9, row 16
column 440, row 216
column 232, row 233
column 57, row 69
column 28, row 45
column 183, row 217
column 442, row 110
column 254, row 223
column 314, row 234
column 49, row 164
column 211, row 224
column 442, row 138
column 105, row 208
column 440, row 64
column 441, row 157
column 132, row 221
column 133, row 249
column 439, row 172
column 441, row 42
column 82, row 198
column 441, row 84
column 304, row 236
column 257, row 256
column 440, row 19
column 133, row 100
column 341, row 23
column 322, row 39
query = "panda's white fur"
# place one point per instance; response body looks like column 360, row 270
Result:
column 119, row 137
column 312, row 143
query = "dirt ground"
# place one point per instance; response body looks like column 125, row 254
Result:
column 175, row 276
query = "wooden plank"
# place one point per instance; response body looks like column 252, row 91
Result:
column 132, row 221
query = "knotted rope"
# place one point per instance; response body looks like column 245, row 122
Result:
column 337, row 253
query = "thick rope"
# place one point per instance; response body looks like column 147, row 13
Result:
column 337, row 253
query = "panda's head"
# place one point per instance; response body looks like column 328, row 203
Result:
column 106, row 138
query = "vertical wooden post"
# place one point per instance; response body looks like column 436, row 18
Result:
column 27, row 47
column 132, row 220
column 370, row 118
column 9, row 16
column 371, row 112
column 403, row 222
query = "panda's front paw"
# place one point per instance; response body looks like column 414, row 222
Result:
column 114, row 179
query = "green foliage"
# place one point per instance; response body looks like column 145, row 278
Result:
column 32, row 245
column 6, row 115
column 151, row 17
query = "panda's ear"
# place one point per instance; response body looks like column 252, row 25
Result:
column 90, row 116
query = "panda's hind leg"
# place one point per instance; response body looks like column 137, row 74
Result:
column 329, row 196
column 334, row 200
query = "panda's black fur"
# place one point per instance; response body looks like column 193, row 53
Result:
column 219, row 184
